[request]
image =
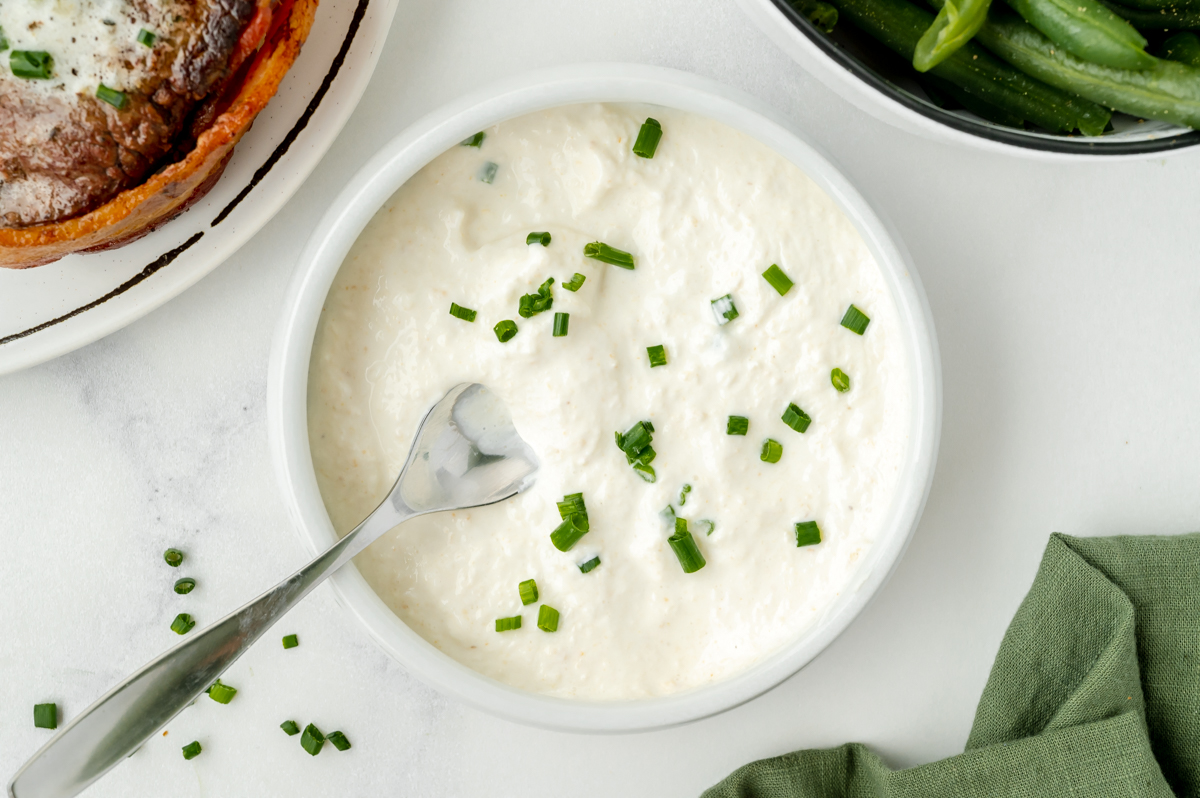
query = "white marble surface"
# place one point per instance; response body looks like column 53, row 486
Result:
column 1066, row 300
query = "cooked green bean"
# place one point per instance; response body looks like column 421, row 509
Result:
column 1087, row 29
column 942, row 90
column 1182, row 47
column 819, row 13
column 954, row 25
column 1173, row 18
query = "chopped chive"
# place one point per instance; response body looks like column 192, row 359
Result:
column 772, row 450
column 645, row 472
column 339, row 741
column 31, row 64
column 221, row 693
column 487, row 173
column 589, row 566
column 459, row 312
column 290, row 641
column 796, row 418
column 547, row 618
column 505, row 330
column 685, row 548
column 192, row 750
column 312, row 739
column 45, row 716
column 173, row 557
column 146, row 37
column 683, row 492
column 508, row 624
column 185, row 585
column 533, row 304
column 575, row 283
column 647, row 138
column 182, row 624
column 474, row 141
column 562, row 321
column 657, row 354
column 807, row 533
column 635, row 443
column 572, row 504
column 668, row 514
column 840, row 380
column 290, row 728
column 705, row 526
column 724, row 310
column 606, row 254
column 855, row 320
column 3, row 41
column 737, row 425
column 116, row 99
column 777, row 279
column 569, row 532
column 538, row 238
column 529, row 592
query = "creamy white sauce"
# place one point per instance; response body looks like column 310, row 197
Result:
column 703, row 218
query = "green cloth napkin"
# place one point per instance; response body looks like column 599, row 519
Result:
column 1095, row 692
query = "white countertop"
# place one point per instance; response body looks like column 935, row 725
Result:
column 1067, row 304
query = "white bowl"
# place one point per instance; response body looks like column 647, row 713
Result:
column 367, row 192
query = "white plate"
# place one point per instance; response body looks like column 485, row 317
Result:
column 50, row 310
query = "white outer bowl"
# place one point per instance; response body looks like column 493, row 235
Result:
column 370, row 189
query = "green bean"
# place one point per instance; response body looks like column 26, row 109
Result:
column 899, row 24
column 1173, row 18
column 1087, row 29
column 819, row 13
column 940, row 91
column 954, row 25
column 1182, row 47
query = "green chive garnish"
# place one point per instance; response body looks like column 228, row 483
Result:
column 182, row 624
column 840, row 380
column 185, row 586
column 796, row 418
column 575, row 283
column 807, row 533
column 638, row 452
column 685, row 548
column 45, row 716
column 290, row 641
column 647, row 139
column 533, row 304
column 312, row 739
column 459, row 312
column 547, row 618
column 146, row 37
column 505, row 330
column 3, row 41
column 606, row 254
column 173, row 557
column 683, row 492
column 474, row 141
column 855, row 320
column 589, row 566
column 724, row 310
column 290, row 728
column 221, row 693
column 568, row 533
column 705, row 526
column 339, row 741
column 646, row 472
column 771, row 451
column 778, row 280
column 538, row 238
column 572, row 504
column 508, row 624
column 116, row 99
column 192, row 750
column 31, row 64
column 529, row 592
column 561, row 322
column 487, row 172
column 658, row 355
column 737, row 425
column 668, row 514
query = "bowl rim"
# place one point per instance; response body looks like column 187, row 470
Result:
column 366, row 192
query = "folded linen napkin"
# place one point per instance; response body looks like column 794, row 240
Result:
column 1095, row 693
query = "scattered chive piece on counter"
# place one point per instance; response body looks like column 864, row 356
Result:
column 724, row 310
column 31, row 64
column 685, row 548
column 840, row 380
column 737, row 425
column 575, row 283
column 147, row 37
column 290, row 641
column 459, row 312
column 533, row 304
column 508, row 624
column 777, row 279
column 705, row 526
column 648, row 138
column 538, row 238
column 562, row 322
column 290, row 728
column 339, row 741
column 855, row 320
column 605, row 254
column 547, row 618
column 185, row 585
column 182, row 624
column 192, row 750
column 568, row 533
column 683, row 492
column 529, row 592
column 312, row 739
column 474, row 141
column 638, row 452
column 45, row 716
column 173, row 557
column 221, row 693
column 487, row 173
column 807, row 533
column 796, row 418
column 116, row 99
column 505, row 330
column 589, row 566
column 657, row 354
column 772, row 450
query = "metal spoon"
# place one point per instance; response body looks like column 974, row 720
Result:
column 467, row 454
